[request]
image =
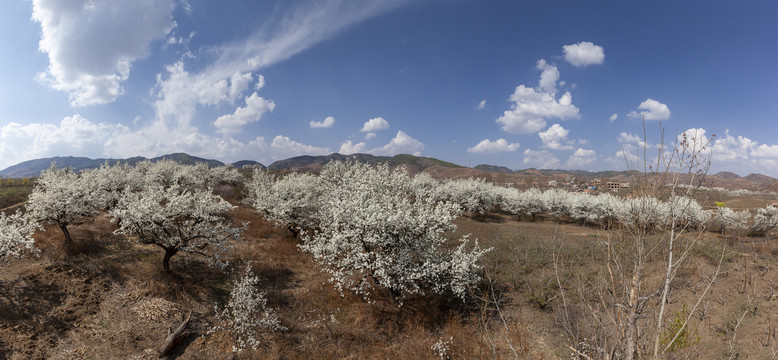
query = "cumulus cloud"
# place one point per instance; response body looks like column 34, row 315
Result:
column 730, row 148
column 347, row 148
column 582, row 158
column 548, row 77
column 369, row 136
column 74, row 135
column 252, row 112
column 652, row 110
column 613, row 118
column 285, row 147
column 728, row 153
column 490, row 147
column 401, row 144
column 629, row 138
column 542, row 159
column 77, row 136
column 555, row 138
column 375, row 124
column 328, row 121
column 91, row 45
column 532, row 106
column 481, row 105
column 584, row 53
column 694, row 140
column 626, row 155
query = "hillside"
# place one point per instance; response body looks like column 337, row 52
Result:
column 494, row 169
column 437, row 168
column 33, row 168
column 314, row 163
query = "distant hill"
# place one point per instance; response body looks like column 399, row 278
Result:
column 33, row 168
column 494, row 169
column 314, row 163
column 415, row 164
column 726, row 175
column 759, row 178
column 240, row 164
column 187, row 159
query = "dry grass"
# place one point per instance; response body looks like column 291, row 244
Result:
column 106, row 297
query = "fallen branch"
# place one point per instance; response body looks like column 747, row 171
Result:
column 173, row 338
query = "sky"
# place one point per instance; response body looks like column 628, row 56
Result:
column 522, row 84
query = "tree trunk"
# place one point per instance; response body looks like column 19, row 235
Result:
column 293, row 230
column 633, row 311
column 173, row 338
column 68, row 240
column 665, row 291
column 166, row 261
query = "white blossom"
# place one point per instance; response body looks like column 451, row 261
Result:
column 63, row 197
column 290, row 201
column 766, row 219
column 16, row 232
column 375, row 231
column 177, row 220
column 246, row 313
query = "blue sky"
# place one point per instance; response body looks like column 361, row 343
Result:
column 544, row 84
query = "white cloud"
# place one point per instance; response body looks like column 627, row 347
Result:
column 77, row 136
column 652, row 110
column 328, row 121
column 347, row 148
column 730, row 148
column 613, row 118
column 180, row 92
column 240, row 83
column 91, row 45
column 532, row 106
column 765, row 151
column 549, row 76
column 481, row 105
column 542, row 159
column 630, row 138
column 555, row 138
column 74, row 136
column 285, row 147
column 401, row 144
column 626, row 155
column 375, row 124
column 694, row 141
column 581, row 158
column 369, row 136
column 584, row 53
column 490, row 147
column 252, row 112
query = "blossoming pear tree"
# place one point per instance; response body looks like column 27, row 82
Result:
column 63, row 197
column 16, row 232
column 178, row 219
column 376, row 232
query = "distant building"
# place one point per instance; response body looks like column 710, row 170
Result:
column 616, row 186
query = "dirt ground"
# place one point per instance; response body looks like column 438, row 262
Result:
column 107, row 297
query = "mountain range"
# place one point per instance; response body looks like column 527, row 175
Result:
column 33, row 168
column 415, row 164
